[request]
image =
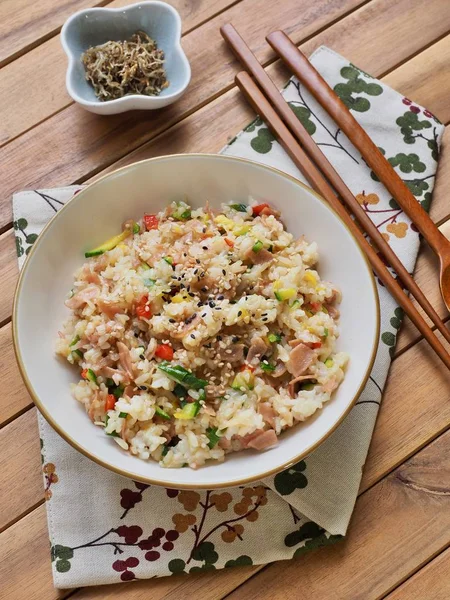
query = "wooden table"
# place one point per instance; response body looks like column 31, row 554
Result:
column 399, row 538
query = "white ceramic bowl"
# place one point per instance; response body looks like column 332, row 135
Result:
column 96, row 213
column 95, row 26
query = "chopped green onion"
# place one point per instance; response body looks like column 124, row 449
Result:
column 257, row 246
column 136, row 228
column 324, row 309
column 149, row 282
column 145, row 266
column 186, row 214
column 267, row 367
column 202, row 394
column 169, row 260
column 77, row 353
column 113, row 433
column 211, row 432
column 75, row 340
column 117, row 393
column 325, row 332
column 91, row 376
column 307, row 386
column 110, row 383
column 274, row 337
column 239, row 207
column 329, row 363
column 165, row 450
column 180, row 391
column 295, row 304
column 189, row 411
column 182, row 375
column 162, row 413
column 123, row 415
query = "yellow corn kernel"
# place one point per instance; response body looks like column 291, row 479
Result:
column 225, row 222
column 179, row 298
column 309, row 276
column 242, row 230
column 176, row 228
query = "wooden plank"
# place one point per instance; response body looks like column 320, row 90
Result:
column 25, row 568
column 8, row 273
column 415, row 406
column 396, row 527
column 414, row 78
column 19, row 111
column 21, row 456
column 433, row 580
column 24, row 23
column 16, row 398
column 58, row 145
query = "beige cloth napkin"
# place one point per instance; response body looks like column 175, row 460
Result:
column 105, row 528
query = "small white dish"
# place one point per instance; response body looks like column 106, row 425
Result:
column 95, row 26
column 96, row 213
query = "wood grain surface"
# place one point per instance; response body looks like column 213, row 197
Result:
column 399, row 538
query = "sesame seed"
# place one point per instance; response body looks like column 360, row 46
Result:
column 224, row 272
column 196, row 271
column 219, row 338
column 204, row 289
column 192, row 336
column 191, row 295
column 204, row 230
column 234, row 339
column 197, row 260
column 204, row 247
column 239, row 313
column 203, row 315
column 171, row 320
column 220, row 297
column 211, row 304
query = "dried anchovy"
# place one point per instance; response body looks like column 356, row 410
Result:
column 134, row 66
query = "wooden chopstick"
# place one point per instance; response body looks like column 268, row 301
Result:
column 251, row 63
column 330, row 101
column 315, row 178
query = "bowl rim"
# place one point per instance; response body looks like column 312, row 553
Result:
column 161, row 482
column 71, row 57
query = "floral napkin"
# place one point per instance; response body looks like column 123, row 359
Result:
column 105, row 528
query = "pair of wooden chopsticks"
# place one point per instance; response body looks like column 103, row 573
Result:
column 279, row 117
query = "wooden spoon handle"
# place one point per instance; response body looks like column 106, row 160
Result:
column 328, row 99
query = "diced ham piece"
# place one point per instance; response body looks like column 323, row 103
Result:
column 89, row 293
column 259, row 258
column 300, row 359
column 224, row 443
column 109, row 308
column 267, row 413
column 125, row 359
column 280, row 370
column 332, row 311
column 330, row 385
column 129, row 391
column 257, row 348
column 263, row 441
column 291, row 385
column 232, row 354
column 89, row 275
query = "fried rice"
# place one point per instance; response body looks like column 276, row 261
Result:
column 201, row 332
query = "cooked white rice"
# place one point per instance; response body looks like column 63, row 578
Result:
column 239, row 296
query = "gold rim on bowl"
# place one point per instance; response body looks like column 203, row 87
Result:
column 162, row 482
